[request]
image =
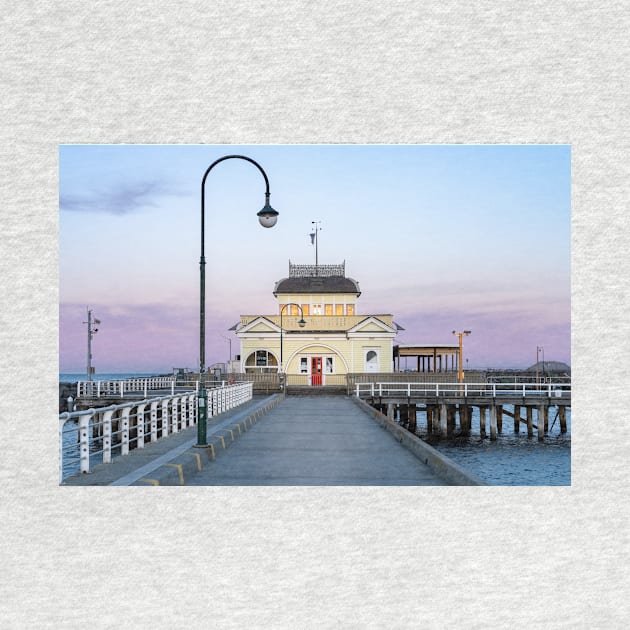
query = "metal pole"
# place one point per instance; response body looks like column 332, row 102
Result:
column 301, row 323
column 315, row 224
column 89, row 352
column 202, row 394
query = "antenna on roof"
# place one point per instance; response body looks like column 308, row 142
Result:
column 314, row 240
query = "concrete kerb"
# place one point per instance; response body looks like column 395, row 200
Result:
column 192, row 461
column 441, row 465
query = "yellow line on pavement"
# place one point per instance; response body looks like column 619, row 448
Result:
column 180, row 472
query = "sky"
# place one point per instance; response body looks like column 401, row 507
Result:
column 444, row 237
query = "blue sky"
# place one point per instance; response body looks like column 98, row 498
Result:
column 443, row 237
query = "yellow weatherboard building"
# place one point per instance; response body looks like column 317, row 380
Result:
column 317, row 336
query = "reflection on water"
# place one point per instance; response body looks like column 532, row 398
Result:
column 513, row 459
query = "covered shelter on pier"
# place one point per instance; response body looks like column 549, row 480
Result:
column 429, row 357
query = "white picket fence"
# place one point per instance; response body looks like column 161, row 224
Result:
column 134, row 423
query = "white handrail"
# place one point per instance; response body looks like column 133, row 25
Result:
column 552, row 389
column 166, row 415
column 97, row 389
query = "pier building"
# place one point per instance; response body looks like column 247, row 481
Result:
column 317, row 335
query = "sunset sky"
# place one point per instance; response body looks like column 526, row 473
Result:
column 443, row 237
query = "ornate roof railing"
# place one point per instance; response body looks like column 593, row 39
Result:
column 321, row 271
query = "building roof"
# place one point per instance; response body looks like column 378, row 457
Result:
column 315, row 284
column 313, row 279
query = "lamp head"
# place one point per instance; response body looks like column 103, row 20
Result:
column 267, row 216
column 301, row 323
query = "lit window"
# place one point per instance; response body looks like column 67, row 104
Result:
column 350, row 309
column 317, row 309
column 339, row 309
column 328, row 310
column 305, row 309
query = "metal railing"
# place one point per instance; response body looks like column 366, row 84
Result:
column 550, row 389
column 98, row 389
column 97, row 434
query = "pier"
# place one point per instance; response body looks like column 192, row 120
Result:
column 268, row 440
column 328, row 439
column 447, row 407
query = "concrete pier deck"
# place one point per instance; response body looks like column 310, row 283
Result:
column 318, row 440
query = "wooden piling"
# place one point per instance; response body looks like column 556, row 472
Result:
column 451, row 417
column 500, row 418
column 540, row 420
column 530, row 421
column 404, row 414
column 465, row 419
column 436, row 419
column 546, row 419
column 390, row 411
column 517, row 418
column 493, row 422
column 429, row 412
column 443, row 420
column 562, row 410
column 412, row 415
column 482, row 421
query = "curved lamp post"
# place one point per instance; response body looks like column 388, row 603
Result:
column 460, row 373
column 301, row 324
column 267, row 217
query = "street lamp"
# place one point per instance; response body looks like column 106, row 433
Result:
column 267, row 217
column 460, row 374
column 301, row 324
column 229, row 340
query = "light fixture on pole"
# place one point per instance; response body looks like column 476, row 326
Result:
column 92, row 329
column 301, row 323
column 267, row 218
column 229, row 340
column 460, row 374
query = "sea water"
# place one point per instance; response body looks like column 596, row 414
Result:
column 513, row 459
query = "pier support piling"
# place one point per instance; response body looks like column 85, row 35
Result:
column 517, row 418
column 482, row 421
column 451, row 419
column 443, row 421
column 493, row 422
column 530, row 421
column 562, row 410
column 540, row 421
column 412, row 416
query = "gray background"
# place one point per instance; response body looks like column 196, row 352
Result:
column 295, row 72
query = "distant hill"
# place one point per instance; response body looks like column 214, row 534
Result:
column 549, row 366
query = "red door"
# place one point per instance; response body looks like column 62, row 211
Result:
column 316, row 371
